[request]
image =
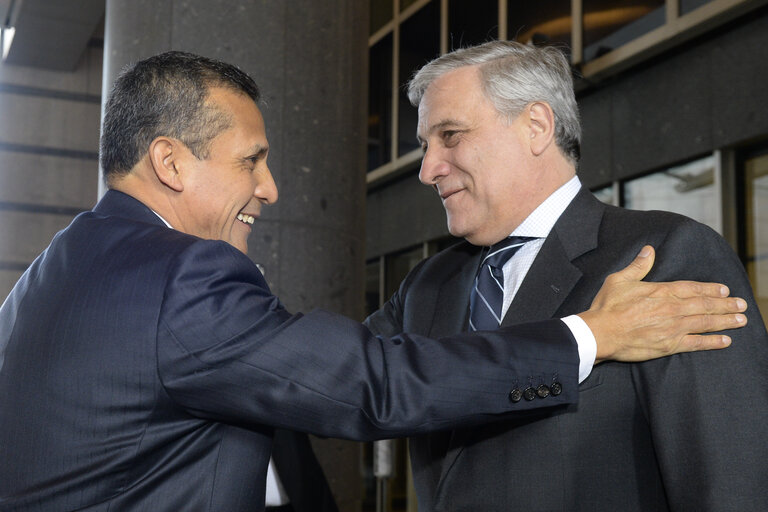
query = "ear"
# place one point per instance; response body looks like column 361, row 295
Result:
column 541, row 126
column 166, row 157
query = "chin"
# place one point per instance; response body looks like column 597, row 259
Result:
column 459, row 233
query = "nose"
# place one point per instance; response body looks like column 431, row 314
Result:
column 266, row 190
column 433, row 167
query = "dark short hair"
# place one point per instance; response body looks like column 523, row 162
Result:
column 165, row 95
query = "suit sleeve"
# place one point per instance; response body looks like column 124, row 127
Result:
column 708, row 410
column 228, row 351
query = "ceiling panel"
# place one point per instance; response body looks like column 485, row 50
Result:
column 52, row 34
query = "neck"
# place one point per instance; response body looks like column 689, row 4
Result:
column 153, row 195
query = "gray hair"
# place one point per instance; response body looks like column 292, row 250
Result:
column 513, row 76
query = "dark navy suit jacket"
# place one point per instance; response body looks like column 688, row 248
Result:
column 145, row 369
column 685, row 432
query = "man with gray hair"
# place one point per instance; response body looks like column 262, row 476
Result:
column 145, row 363
column 500, row 131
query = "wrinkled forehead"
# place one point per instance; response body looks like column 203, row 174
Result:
column 450, row 97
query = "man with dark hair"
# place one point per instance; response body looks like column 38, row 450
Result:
column 144, row 362
column 500, row 130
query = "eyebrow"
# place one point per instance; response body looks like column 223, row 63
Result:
column 445, row 123
column 257, row 150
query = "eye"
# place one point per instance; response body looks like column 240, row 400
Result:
column 255, row 159
column 450, row 138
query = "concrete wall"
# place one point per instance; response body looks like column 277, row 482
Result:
column 49, row 135
column 707, row 95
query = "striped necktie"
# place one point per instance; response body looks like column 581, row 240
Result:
column 487, row 296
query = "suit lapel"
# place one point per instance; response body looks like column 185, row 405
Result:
column 548, row 282
column 452, row 304
column 553, row 274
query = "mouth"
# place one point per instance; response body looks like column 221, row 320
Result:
column 448, row 193
column 246, row 218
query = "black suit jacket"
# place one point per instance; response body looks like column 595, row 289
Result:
column 144, row 369
column 300, row 473
column 679, row 433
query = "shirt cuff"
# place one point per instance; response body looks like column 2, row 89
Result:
column 586, row 342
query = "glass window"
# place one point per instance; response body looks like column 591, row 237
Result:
column 380, row 14
column 688, row 189
column 380, row 103
column 419, row 43
column 404, row 4
column 609, row 24
column 397, row 267
column 687, row 6
column 606, row 195
column 528, row 22
column 471, row 22
column 756, row 199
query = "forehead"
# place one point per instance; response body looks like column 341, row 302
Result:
column 453, row 96
column 245, row 114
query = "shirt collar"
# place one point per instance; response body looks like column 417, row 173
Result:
column 540, row 222
column 162, row 219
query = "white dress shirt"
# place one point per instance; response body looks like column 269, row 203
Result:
column 275, row 495
column 538, row 224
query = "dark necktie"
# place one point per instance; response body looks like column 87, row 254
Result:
column 487, row 296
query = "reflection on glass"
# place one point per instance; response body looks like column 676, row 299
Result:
column 397, row 267
column 471, row 22
column 756, row 199
column 609, row 24
column 529, row 22
column 404, row 4
column 380, row 103
column 380, row 14
column 419, row 43
column 606, row 195
column 688, row 189
column 687, row 6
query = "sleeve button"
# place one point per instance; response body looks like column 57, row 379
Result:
column 529, row 393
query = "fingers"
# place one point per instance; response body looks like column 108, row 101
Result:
column 711, row 323
column 689, row 289
column 639, row 267
column 673, row 306
column 693, row 342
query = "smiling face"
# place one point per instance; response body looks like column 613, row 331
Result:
column 476, row 160
column 224, row 193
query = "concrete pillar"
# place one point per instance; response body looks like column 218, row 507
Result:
column 310, row 59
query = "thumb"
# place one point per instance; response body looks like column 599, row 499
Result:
column 639, row 267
